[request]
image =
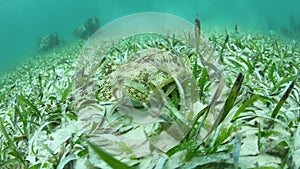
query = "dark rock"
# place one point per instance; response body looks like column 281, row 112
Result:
column 48, row 42
column 90, row 26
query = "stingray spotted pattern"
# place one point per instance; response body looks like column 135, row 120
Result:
column 141, row 64
column 143, row 86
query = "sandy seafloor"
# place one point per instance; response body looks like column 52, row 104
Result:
column 39, row 124
column 24, row 22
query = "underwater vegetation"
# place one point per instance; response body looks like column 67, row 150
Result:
column 244, row 89
column 52, row 40
column 48, row 42
column 292, row 30
column 90, row 26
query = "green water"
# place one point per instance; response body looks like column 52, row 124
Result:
column 23, row 22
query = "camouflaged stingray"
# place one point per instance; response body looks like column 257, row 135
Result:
column 139, row 91
column 155, row 62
